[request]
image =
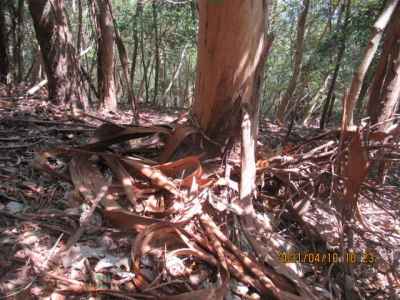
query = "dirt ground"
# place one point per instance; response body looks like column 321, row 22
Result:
column 39, row 212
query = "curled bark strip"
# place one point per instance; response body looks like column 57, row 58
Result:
column 174, row 140
column 234, row 266
column 187, row 168
column 161, row 233
column 125, row 178
column 126, row 220
column 109, row 134
column 253, row 266
column 154, row 175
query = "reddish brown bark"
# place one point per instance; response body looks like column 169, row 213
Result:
column 230, row 45
column 358, row 78
column 59, row 56
column 385, row 90
column 106, row 57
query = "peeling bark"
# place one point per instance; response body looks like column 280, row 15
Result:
column 230, row 45
column 359, row 76
column 385, row 90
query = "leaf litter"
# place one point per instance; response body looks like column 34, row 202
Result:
column 95, row 206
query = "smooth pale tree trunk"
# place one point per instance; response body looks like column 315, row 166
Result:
column 106, row 80
column 314, row 104
column 230, row 46
column 359, row 76
column 297, row 62
column 384, row 96
column 37, row 67
column 4, row 62
column 59, row 56
column 385, row 90
column 177, row 71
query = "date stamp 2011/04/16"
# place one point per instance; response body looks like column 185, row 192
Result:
column 326, row 258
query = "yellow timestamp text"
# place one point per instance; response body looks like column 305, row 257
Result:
column 326, row 258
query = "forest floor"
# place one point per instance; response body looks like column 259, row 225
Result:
column 53, row 245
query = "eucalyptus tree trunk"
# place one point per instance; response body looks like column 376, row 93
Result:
column 18, row 51
column 145, row 64
column 123, row 57
column 4, row 62
column 105, row 57
column 372, row 47
column 384, row 95
column 37, row 66
column 12, row 35
column 59, row 56
column 230, row 47
column 80, row 24
column 329, row 101
column 138, row 14
column 297, row 61
column 157, row 52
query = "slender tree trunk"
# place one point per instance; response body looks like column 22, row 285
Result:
column 330, row 109
column 144, row 64
column 297, row 61
column 123, row 57
column 18, row 51
column 105, row 56
column 59, row 56
column 177, row 70
column 314, row 104
column 37, row 67
column 360, row 104
column 329, row 98
column 138, row 14
column 13, row 37
column 157, row 52
column 80, row 19
column 384, row 95
column 309, row 66
column 230, row 46
column 4, row 62
column 359, row 76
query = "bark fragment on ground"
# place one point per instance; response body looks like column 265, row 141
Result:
column 175, row 234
